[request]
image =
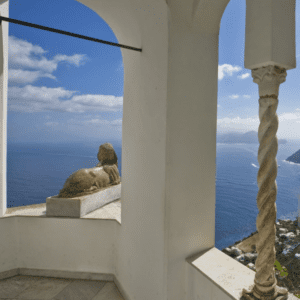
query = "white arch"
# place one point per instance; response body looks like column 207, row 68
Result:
column 169, row 139
column 170, row 100
column 122, row 19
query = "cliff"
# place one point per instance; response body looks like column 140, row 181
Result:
column 295, row 158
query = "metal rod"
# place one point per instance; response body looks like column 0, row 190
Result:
column 67, row 33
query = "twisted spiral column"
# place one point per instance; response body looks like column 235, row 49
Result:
column 265, row 283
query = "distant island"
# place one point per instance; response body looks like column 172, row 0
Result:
column 250, row 137
column 295, row 158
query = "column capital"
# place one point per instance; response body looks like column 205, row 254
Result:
column 268, row 79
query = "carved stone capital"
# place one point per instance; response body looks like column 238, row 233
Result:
column 268, row 79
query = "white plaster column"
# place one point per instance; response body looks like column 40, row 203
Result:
column 4, row 9
column 268, row 79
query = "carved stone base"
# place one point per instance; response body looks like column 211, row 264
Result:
column 252, row 294
column 80, row 206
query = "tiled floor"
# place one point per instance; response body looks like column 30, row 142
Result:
column 42, row 288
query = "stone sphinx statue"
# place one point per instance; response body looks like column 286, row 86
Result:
column 88, row 181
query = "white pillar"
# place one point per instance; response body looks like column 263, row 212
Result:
column 270, row 34
column 4, row 8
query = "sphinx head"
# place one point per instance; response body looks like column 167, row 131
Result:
column 107, row 155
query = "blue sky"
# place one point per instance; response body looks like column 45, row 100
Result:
column 64, row 89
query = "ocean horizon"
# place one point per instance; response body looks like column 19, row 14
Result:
column 36, row 171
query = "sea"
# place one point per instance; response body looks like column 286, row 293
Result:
column 38, row 171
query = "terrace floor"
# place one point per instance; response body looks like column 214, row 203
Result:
column 110, row 211
column 42, row 288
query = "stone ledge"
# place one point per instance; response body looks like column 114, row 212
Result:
column 110, row 211
column 80, row 206
column 225, row 272
column 34, row 210
column 287, row 246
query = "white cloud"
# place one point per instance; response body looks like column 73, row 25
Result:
column 117, row 122
column 19, row 76
column 247, row 96
column 91, row 122
column 290, row 116
column 121, row 66
column 52, row 124
column 234, row 96
column 21, row 55
column 76, row 59
column 289, row 124
column 227, row 69
column 98, row 100
column 39, row 99
column 244, row 76
column 238, row 123
column 96, row 121
column 92, row 129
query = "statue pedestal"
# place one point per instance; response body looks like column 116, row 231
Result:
column 79, row 206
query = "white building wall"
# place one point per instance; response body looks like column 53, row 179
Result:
column 191, row 138
column 141, row 264
column 4, row 9
column 141, row 260
column 66, row 244
column 169, row 139
column 8, row 244
column 191, row 152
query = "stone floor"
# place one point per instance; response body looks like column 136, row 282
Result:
column 42, row 288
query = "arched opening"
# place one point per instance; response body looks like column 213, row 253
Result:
column 65, row 99
column 235, row 176
column 237, row 138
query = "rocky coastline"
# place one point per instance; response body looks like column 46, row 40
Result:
column 295, row 158
column 287, row 245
